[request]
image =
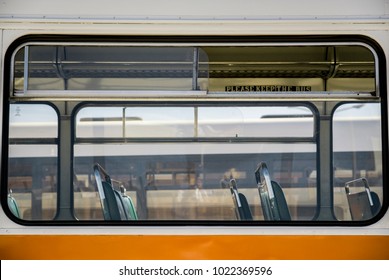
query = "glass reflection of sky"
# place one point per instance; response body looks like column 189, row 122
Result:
column 188, row 113
column 32, row 113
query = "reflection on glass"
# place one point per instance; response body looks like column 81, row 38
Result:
column 176, row 161
column 256, row 121
column 155, row 122
column 32, row 163
column 357, row 143
column 68, row 67
column 195, row 122
column 32, row 121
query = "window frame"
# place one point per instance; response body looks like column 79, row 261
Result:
column 381, row 90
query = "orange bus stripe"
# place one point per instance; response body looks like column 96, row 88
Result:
column 215, row 247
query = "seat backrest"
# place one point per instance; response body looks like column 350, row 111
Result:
column 281, row 203
column 101, row 186
column 273, row 202
column 359, row 206
column 363, row 205
column 129, row 207
column 116, row 204
column 242, row 207
column 375, row 208
column 13, row 205
column 246, row 212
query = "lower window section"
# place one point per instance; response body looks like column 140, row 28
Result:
column 194, row 174
column 32, row 180
column 182, row 181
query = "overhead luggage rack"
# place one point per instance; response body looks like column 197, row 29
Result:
column 45, row 69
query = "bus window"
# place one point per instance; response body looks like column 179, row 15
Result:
column 189, row 122
column 175, row 162
column 32, row 163
column 357, row 153
column 72, row 70
column 174, row 123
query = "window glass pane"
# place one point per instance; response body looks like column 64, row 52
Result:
column 357, row 142
column 189, row 180
column 32, row 121
column 215, row 69
column 269, row 121
column 195, row 122
column 67, row 67
column 32, row 160
column 100, row 122
column 154, row 122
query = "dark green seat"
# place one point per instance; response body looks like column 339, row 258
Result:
column 116, row 204
column 273, row 203
column 128, row 205
column 281, row 203
column 376, row 207
column 246, row 212
column 242, row 207
column 13, row 205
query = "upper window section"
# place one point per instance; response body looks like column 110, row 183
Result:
column 63, row 67
column 233, row 122
column 126, row 69
column 32, row 121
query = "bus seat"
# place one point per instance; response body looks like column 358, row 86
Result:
column 273, row 202
column 242, row 207
column 363, row 205
column 115, row 204
column 13, row 205
column 376, row 203
column 281, row 202
column 247, row 216
column 128, row 205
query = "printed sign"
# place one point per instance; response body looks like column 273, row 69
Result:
column 266, row 88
